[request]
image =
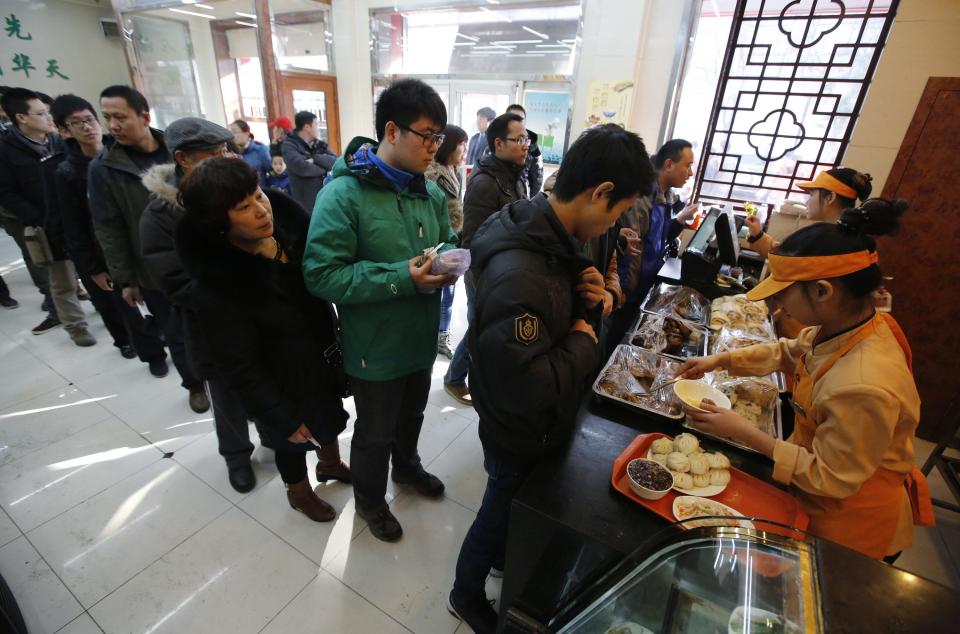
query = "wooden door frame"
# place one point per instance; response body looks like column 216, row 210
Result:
column 295, row 80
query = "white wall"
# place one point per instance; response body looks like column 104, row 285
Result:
column 611, row 37
column 58, row 28
column 924, row 42
column 351, row 55
column 208, row 80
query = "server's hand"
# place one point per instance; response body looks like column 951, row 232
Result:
column 754, row 225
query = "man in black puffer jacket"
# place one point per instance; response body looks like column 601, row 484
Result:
column 534, row 336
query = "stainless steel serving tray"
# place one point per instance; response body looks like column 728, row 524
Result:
column 663, row 364
column 777, row 423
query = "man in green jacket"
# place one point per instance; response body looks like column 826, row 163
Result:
column 370, row 226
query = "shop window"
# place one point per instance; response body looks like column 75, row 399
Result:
column 782, row 102
column 302, row 35
column 516, row 39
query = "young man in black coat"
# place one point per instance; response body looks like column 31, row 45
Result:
column 497, row 181
column 533, row 170
column 83, row 139
column 534, row 334
column 31, row 140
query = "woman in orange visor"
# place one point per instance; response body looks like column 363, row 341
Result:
column 850, row 459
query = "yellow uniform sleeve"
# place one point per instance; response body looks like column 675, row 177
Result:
column 764, row 245
column 764, row 358
column 856, row 425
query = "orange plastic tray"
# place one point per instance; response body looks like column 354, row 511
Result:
column 748, row 495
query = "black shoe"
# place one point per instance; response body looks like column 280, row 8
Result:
column 9, row 303
column 382, row 523
column 426, row 484
column 46, row 326
column 480, row 616
column 199, row 401
column 158, row 368
column 128, row 352
column 242, row 478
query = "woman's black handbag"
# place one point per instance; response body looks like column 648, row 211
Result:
column 333, row 359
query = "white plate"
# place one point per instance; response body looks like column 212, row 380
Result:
column 703, row 492
column 720, row 507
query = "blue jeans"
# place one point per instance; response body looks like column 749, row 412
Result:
column 446, row 306
column 460, row 364
column 486, row 541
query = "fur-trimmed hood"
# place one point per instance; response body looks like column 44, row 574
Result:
column 162, row 181
column 223, row 268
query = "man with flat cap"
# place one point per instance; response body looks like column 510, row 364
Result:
column 192, row 140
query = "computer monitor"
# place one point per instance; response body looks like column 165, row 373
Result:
column 728, row 240
column 701, row 239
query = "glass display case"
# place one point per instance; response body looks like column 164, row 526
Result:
column 722, row 580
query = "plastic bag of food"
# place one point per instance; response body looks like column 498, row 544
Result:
column 632, row 372
column 737, row 311
column 668, row 335
column 452, row 262
column 681, row 301
column 736, row 338
column 753, row 398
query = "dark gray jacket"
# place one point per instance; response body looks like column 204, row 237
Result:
column 307, row 166
column 117, row 199
column 492, row 185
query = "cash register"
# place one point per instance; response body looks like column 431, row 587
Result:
column 715, row 244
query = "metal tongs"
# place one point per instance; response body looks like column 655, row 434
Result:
column 429, row 253
column 654, row 390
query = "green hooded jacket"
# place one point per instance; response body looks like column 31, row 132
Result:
column 362, row 235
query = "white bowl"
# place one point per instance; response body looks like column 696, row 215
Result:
column 693, row 392
column 644, row 492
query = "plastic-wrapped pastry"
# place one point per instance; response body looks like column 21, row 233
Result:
column 701, row 480
column 662, row 445
column 717, row 460
column 677, row 461
column 686, row 443
column 659, row 458
column 698, row 464
column 719, row 477
column 682, row 480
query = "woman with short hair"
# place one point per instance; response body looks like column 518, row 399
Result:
column 269, row 338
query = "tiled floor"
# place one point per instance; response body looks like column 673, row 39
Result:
column 101, row 531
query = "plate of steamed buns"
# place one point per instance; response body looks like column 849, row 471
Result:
column 695, row 471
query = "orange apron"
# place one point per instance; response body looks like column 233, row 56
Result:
column 867, row 520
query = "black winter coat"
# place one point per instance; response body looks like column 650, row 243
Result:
column 492, row 185
column 528, row 371
column 534, row 168
column 70, row 184
column 307, row 166
column 22, row 190
column 265, row 332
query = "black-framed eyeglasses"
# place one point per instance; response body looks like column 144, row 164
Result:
column 425, row 137
column 520, row 140
column 79, row 124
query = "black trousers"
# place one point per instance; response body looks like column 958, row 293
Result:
column 4, row 289
column 292, row 465
column 172, row 330
column 389, row 418
column 232, row 424
column 110, row 306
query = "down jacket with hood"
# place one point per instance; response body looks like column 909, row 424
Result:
column 264, row 332
column 528, row 370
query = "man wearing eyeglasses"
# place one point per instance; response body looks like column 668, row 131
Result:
column 497, row 181
column 29, row 141
column 370, row 228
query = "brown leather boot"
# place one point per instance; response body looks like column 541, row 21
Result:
column 330, row 466
column 303, row 499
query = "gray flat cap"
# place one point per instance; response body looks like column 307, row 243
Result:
column 194, row 132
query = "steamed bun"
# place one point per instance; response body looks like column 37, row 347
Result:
column 677, row 461
column 719, row 477
column 698, row 463
column 662, row 445
column 686, row 443
column 682, row 480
